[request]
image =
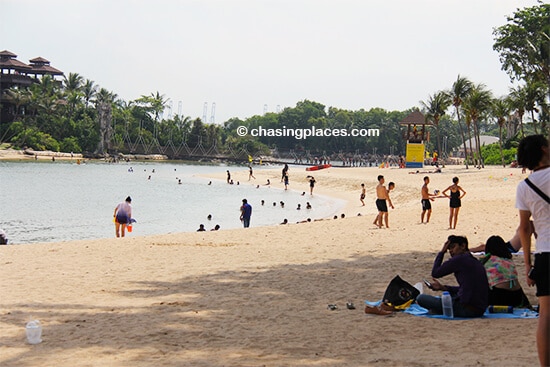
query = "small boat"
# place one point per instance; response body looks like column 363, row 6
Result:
column 316, row 168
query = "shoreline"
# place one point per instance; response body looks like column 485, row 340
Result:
column 325, row 206
column 343, row 184
column 36, row 155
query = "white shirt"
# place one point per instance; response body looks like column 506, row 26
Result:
column 527, row 199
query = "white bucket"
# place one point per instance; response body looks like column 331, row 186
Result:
column 34, row 332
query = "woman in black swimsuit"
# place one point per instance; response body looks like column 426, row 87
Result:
column 456, row 193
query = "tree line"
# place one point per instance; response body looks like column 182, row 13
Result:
column 77, row 115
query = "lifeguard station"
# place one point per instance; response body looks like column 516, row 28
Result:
column 416, row 136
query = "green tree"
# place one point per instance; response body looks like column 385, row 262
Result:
column 460, row 89
column 524, row 44
column 18, row 97
column 198, row 134
column 533, row 95
column 517, row 99
column 436, row 106
column 154, row 104
column 492, row 156
column 501, row 110
column 478, row 104
column 89, row 90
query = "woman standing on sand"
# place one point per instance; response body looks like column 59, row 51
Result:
column 455, row 202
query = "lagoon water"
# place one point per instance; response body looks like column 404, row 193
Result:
column 63, row 201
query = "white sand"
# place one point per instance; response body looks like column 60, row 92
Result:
column 258, row 296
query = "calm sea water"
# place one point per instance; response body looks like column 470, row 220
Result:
column 61, row 201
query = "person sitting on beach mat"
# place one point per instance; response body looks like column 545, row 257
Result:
column 504, row 287
column 470, row 298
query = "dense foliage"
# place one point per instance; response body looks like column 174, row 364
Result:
column 74, row 115
column 491, row 154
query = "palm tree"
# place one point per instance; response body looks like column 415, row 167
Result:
column 18, row 97
column 533, row 93
column 72, row 90
column 468, row 121
column 460, row 89
column 89, row 90
column 72, row 82
column 501, row 110
column 43, row 96
column 47, row 85
column 436, row 106
column 104, row 96
column 158, row 104
column 478, row 104
column 517, row 97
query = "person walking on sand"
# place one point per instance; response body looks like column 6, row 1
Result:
column 250, row 174
column 363, row 194
column 311, row 184
column 285, row 177
column 382, row 195
column 455, row 202
column 246, row 213
column 122, row 215
column 284, row 172
column 426, row 198
column 532, row 201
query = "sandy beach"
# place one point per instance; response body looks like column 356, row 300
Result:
column 259, row 296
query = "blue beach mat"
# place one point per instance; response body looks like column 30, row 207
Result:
column 416, row 310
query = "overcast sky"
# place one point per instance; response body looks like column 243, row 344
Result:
column 244, row 55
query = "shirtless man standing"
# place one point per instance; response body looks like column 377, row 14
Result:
column 426, row 197
column 363, row 194
column 381, row 197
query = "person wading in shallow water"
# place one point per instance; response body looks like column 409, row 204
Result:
column 246, row 213
column 122, row 215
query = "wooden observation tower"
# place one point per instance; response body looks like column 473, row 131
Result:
column 416, row 136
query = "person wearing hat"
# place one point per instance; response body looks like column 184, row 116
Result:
column 122, row 215
column 246, row 213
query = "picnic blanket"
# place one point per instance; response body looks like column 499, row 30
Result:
column 416, row 310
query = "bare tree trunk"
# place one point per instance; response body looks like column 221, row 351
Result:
column 520, row 116
column 500, row 141
column 470, row 140
column 105, row 128
column 534, row 122
column 463, row 137
column 478, row 143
